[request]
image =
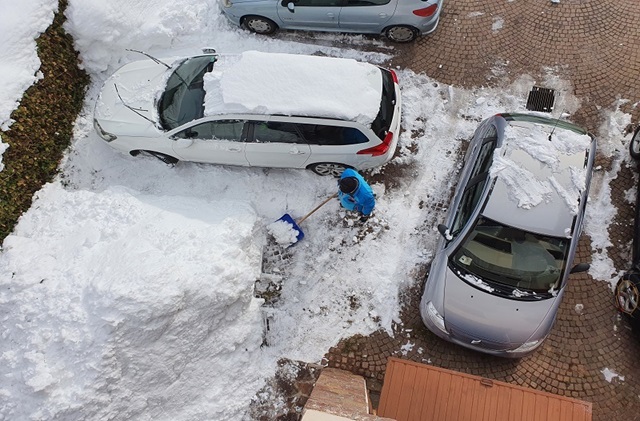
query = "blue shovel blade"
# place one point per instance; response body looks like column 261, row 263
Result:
column 287, row 218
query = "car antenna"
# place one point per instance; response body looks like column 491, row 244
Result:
column 135, row 110
column 150, row 56
column 555, row 125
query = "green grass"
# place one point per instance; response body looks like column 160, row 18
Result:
column 43, row 124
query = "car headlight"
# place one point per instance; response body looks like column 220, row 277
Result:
column 226, row 3
column 435, row 317
column 109, row 137
column 526, row 347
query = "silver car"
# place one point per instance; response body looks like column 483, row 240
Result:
column 511, row 233
column 398, row 20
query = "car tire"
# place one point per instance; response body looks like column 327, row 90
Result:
column 401, row 33
column 634, row 145
column 167, row 159
column 328, row 168
column 259, row 25
column 627, row 295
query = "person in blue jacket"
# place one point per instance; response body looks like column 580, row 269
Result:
column 355, row 194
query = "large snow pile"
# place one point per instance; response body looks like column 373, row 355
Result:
column 123, row 302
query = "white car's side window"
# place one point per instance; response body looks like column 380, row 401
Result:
column 276, row 132
column 215, row 130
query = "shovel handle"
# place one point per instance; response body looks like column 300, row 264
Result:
column 316, row 208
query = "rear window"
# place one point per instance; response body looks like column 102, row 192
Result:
column 382, row 122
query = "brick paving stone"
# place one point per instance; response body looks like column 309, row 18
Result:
column 596, row 46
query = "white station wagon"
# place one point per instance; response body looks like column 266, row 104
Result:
column 254, row 109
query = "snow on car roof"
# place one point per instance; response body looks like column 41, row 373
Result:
column 294, row 84
column 543, row 179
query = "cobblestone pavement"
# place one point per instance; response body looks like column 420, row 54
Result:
column 595, row 44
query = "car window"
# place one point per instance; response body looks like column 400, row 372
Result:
column 276, row 132
column 313, row 3
column 485, row 156
column 320, row 134
column 366, row 2
column 514, row 258
column 219, row 130
column 382, row 122
column 468, row 204
column 183, row 98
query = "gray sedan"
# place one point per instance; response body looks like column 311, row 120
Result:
column 398, row 20
column 504, row 259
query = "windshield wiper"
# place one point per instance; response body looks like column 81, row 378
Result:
column 135, row 110
column 151, row 57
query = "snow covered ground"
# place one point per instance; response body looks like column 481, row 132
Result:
column 127, row 289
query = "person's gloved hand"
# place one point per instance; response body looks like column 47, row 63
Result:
column 364, row 219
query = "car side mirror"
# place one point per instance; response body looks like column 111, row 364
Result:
column 444, row 230
column 580, row 267
column 291, row 7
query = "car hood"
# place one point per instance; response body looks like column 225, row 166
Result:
column 472, row 313
column 138, row 85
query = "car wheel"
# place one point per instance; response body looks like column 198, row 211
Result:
column 401, row 33
column 167, row 159
column 260, row 25
column 628, row 295
column 634, row 145
column 327, row 168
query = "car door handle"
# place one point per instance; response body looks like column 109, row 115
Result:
column 296, row 152
column 234, row 149
column 331, row 15
column 383, row 15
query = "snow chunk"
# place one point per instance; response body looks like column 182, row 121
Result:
column 294, row 84
column 535, row 184
column 407, row 348
column 283, row 232
column 609, row 375
column 498, row 23
column 477, row 281
column 525, row 189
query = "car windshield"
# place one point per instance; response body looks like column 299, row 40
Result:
column 183, row 97
column 510, row 259
column 382, row 122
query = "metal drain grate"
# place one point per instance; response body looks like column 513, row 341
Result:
column 541, row 99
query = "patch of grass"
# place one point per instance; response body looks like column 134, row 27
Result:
column 43, row 124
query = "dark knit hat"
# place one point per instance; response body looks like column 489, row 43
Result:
column 348, row 185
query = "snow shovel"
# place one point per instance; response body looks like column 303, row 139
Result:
column 289, row 219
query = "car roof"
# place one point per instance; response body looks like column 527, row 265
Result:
column 294, row 84
column 539, row 182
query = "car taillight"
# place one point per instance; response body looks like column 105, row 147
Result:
column 427, row 11
column 381, row 149
column 394, row 76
